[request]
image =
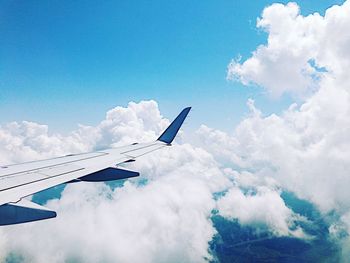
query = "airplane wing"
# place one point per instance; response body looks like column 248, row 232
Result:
column 21, row 180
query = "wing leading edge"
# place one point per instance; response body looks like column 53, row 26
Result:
column 21, row 180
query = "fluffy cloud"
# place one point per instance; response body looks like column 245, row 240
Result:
column 300, row 50
column 168, row 218
column 263, row 207
column 28, row 140
column 164, row 221
column 306, row 148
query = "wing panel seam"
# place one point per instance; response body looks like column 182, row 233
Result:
column 43, row 179
column 54, row 165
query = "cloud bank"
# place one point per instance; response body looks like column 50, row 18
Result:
column 307, row 147
column 165, row 215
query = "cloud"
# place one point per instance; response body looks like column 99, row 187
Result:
column 263, row 208
column 300, row 50
column 306, row 148
column 23, row 141
column 166, row 219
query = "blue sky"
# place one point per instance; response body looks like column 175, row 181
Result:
column 68, row 62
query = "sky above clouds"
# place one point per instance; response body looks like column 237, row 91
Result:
column 270, row 116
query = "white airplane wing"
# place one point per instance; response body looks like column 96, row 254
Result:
column 21, row 180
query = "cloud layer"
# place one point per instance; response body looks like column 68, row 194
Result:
column 165, row 215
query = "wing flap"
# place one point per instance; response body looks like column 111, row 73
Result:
column 109, row 174
column 22, row 212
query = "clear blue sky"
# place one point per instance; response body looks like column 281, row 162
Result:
column 67, row 62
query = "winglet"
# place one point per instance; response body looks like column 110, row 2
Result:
column 169, row 134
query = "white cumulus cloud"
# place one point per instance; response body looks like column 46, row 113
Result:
column 300, row 50
column 166, row 219
column 264, row 207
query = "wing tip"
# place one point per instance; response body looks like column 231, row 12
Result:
column 169, row 134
